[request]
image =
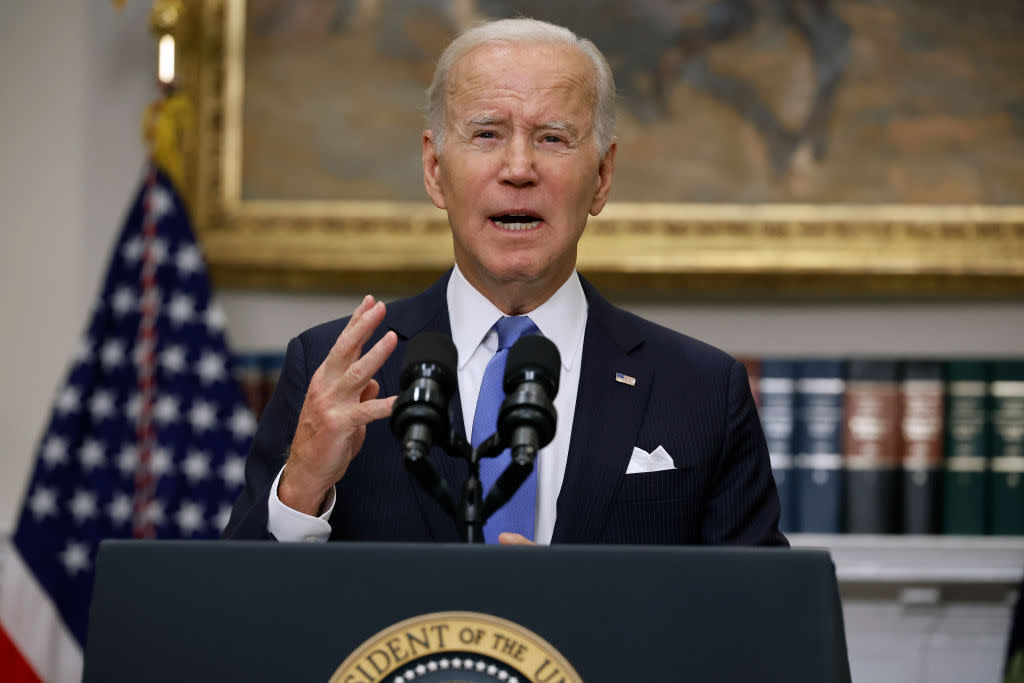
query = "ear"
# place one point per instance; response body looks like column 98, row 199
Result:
column 605, row 171
column 432, row 170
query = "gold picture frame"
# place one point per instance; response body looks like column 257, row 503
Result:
column 682, row 248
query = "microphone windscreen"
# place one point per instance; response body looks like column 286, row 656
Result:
column 535, row 353
column 431, row 348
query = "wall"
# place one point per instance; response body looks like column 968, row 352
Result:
column 74, row 78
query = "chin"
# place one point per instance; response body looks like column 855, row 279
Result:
column 516, row 275
column 520, row 266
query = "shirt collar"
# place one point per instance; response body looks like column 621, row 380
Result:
column 562, row 318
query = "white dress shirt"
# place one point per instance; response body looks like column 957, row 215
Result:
column 562, row 319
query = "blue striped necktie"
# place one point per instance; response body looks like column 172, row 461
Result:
column 517, row 515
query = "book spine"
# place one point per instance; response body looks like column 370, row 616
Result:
column 921, row 395
column 753, row 368
column 818, row 466
column 1006, row 468
column 872, row 447
column 965, row 471
column 249, row 374
column 270, row 372
column 778, row 392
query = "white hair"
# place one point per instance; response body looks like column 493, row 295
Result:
column 518, row 32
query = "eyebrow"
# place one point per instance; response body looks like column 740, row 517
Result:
column 559, row 125
column 487, row 120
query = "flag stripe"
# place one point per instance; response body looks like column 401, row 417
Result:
column 145, row 482
column 33, row 626
column 13, row 666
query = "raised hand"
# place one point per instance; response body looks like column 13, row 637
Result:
column 340, row 402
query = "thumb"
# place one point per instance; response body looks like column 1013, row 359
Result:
column 509, row 538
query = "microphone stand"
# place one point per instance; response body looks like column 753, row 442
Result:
column 475, row 511
column 474, row 515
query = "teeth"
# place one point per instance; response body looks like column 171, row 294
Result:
column 517, row 226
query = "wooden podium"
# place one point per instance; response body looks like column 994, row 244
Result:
column 262, row 611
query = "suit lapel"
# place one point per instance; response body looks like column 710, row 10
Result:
column 606, row 422
column 428, row 312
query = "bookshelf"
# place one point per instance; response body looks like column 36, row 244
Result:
column 896, row 559
column 924, row 609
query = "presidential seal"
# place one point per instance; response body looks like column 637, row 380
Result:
column 455, row 647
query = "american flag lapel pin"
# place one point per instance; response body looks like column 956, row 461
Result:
column 625, row 379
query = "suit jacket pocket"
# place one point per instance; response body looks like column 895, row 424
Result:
column 655, row 486
column 657, row 507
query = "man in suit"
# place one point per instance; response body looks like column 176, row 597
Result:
column 658, row 438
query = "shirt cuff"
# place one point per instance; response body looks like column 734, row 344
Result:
column 291, row 525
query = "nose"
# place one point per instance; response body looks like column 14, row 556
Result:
column 519, row 167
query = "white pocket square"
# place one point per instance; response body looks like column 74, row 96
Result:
column 657, row 460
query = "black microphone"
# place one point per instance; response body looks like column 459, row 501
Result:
column 526, row 420
column 426, row 385
column 420, row 416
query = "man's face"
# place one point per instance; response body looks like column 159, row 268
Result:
column 520, row 170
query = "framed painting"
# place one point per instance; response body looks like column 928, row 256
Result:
column 836, row 147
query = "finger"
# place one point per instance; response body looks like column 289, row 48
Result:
column 363, row 329
column 361, row 372
column 509, row 538
column 366, row 304
column 368, row 411
column 370, row 391
column 357, row 332
column 332, row 358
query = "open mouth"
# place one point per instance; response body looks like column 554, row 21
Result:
column 516, row 221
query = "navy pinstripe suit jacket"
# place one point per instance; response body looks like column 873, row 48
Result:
column 690, row 398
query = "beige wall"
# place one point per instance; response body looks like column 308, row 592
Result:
column 75, row 77
column 70, row 156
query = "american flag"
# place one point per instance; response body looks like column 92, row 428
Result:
column 147, row 439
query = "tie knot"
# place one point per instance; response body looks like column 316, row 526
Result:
column 511, row 329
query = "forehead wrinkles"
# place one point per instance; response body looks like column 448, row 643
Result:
column 564, row 74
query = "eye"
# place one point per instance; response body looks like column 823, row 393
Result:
column 552, row 139
column 486, row 134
